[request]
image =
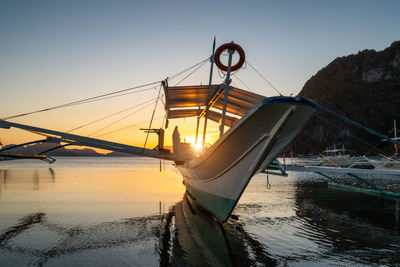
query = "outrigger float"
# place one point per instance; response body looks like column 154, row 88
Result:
column 260, row 128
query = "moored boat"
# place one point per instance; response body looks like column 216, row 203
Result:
column 259, row 129
column 217, row 178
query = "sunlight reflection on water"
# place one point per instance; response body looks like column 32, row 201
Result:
column 123, row 211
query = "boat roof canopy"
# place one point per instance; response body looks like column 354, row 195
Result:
column 188, row 101
column 212, row 115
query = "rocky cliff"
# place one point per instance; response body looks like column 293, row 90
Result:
column 364, row 87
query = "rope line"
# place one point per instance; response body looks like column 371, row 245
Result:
column 102, row 96
column 130, row 114
column 234, row 74
column 354, row 123
column 152, row 117
column 196, row 69
column 359, row 139
column 82, row 101
column 185, row 70
column 130, row 126
column 270, row 84
column 221, row 74
column 113, row 96
column 111, row 115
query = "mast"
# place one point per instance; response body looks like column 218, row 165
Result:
column 208, row 95
column 197, row 127
column 226, row 91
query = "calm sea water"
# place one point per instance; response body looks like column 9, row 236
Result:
column 125, row 212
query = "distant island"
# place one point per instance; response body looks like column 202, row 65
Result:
column 364, row 87
column 63, row 151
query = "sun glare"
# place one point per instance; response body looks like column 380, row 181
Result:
column 198, row 147
column 192, row 141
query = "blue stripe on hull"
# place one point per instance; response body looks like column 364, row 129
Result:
column 219, row 207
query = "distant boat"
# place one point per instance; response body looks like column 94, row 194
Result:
column 392, row 162
column 260, row 128
column 344, row 161
column 386, row 164
column 342, row 158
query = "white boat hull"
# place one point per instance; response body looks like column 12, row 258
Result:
column 217, row 179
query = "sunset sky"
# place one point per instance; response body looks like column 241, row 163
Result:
column 55, row 52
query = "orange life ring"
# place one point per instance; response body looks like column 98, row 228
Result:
column 232, row 46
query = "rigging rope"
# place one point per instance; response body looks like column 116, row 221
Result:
column 234, row 74
column 268, row 184
column 102, row 96
column 151, row 120
column 111, row 115
column 196, row 69
column 354, row 123
column 130, row 114
column 113, row 96
column 359, row 139
column 82, row 101
column 221, row 74
column 185, row 70
column 127, row 127
column 270, row 84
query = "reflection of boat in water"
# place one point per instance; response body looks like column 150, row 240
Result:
column 185, row 236
column 26, row 179
column 260, row 128
column 347, row 221
column 376, row 210
column 200, row 237
column 205, row 242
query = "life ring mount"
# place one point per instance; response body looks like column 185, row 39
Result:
column 229, row 46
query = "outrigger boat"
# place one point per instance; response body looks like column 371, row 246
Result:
column 346, row 159
column 260, row 128
column 339, row 158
